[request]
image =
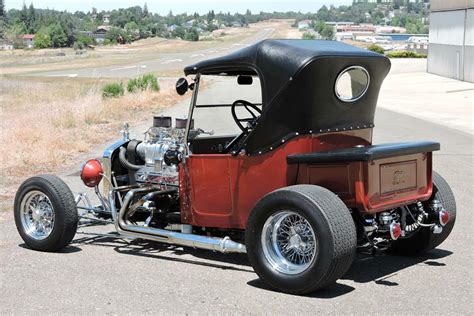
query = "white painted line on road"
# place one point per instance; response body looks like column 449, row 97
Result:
column 197, row 55
column 171, row 61
column 143, row 66
column 124, row 68
column 237, row 44
column 65, row 75
column 213, row 51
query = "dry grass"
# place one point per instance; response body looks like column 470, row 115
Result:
column 45, row 125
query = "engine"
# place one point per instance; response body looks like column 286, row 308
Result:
column 155, row 160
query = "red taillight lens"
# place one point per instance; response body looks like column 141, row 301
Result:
column 443, row 217
column 91, row 173
column 395, row 231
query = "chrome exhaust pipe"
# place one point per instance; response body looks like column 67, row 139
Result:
column 225, row 245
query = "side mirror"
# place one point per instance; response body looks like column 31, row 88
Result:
column 182, row 86
column 244, row 80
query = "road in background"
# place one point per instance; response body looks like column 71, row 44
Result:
column 162, row 62
column 98, row 274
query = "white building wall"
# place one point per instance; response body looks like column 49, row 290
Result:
column 451, row 49
column 469, row 47
column 447, row 27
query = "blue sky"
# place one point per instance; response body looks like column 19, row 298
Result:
column 180, row 6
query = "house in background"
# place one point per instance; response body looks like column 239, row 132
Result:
column 171, row 28
column 304, row 24
column 451, row 49
column 100, row 33
column 29, row 40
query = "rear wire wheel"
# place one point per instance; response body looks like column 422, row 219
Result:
column 300, row 238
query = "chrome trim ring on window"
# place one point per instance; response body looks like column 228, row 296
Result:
column 361, row 94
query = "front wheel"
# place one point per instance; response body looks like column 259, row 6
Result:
column 300, row 238
column 45, row 213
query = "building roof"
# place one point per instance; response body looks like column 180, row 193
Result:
column 28, row 36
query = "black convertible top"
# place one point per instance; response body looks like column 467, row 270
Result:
column 298, row 78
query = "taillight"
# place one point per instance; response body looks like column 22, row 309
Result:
column 395, row 231
column 443, row 217
column 91, row 173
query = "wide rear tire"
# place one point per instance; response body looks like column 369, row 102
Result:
column 281, row 255
column 45, row 213
column 425, row 240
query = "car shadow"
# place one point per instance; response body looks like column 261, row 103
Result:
column 332, row 291
column 382, row 267
column 366, row 268
column 68, row 249
column 157, row 250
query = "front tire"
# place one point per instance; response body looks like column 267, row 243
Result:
column 45, row 213
column 425, row 240
column 300, row 238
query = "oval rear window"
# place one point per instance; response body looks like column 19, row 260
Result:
column 352, row 83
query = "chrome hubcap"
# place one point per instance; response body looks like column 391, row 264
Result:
column 37, row 215
column 289, row 243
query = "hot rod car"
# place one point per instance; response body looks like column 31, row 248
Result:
column 298, row 189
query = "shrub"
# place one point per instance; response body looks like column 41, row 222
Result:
column 78, row 46
column 308, row 36
column 192, row 35
column 113, row 90
column 376, row 48
column 85, row 40
column 405, row 54
column 145, row 82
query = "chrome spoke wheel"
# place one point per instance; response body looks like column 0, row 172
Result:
column 289, row 243
column 37, row 215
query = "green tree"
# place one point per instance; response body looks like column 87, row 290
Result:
column 23, row 17
column 57, row 35
column 131, row 26
column 179, row 32
column 2, row 9
column 3, row 28
column 42, row 38
column 85, row 40
column 192, row 35
column 13, row 35
column 31, row 19
column 323, row 13
column 327, row 32
column 114, row 34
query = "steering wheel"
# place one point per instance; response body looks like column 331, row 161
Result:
column 251, row 108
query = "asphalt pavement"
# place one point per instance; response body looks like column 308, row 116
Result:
column 102, row 274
